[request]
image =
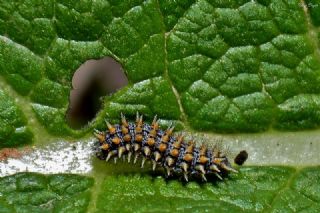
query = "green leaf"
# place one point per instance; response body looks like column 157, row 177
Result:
column 221, row 66
column 13, row 123
column 217, row 66
column 313, row 7
column 31, row 192
column 254, row 189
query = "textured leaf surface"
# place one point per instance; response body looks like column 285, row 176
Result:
column 208, row 65
column 254, row 189
column 13, row 123
column 219, row 66
column 30, row 192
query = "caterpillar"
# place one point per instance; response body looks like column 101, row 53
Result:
column 161, row 147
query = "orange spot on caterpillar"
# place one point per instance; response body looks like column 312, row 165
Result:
column 116, row 140
column 165, row 138
column 138, row 129
column 203, row 149
column 124, row 130
column 127, row 138
column 174, row 152
column 203, row 160
column 153, row 133
column 151, row 142
column 105, row 146
column 188, row 157
column 217, row 161
column 162, row 147
column 139, row 138
column 190, row 148
column 100, row 136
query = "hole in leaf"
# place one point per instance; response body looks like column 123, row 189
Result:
column 91, row 81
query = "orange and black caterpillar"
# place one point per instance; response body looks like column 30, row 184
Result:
column 140, row 139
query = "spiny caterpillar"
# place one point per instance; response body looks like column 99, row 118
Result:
column 176, row 156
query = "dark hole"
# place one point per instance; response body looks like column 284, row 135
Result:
column 91, row 81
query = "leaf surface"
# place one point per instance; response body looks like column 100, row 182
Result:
column 226, row 66
column 217, row 66
column 254, row 189
column 31, row 192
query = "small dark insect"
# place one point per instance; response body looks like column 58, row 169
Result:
column 241, row 157
column 161, row 147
